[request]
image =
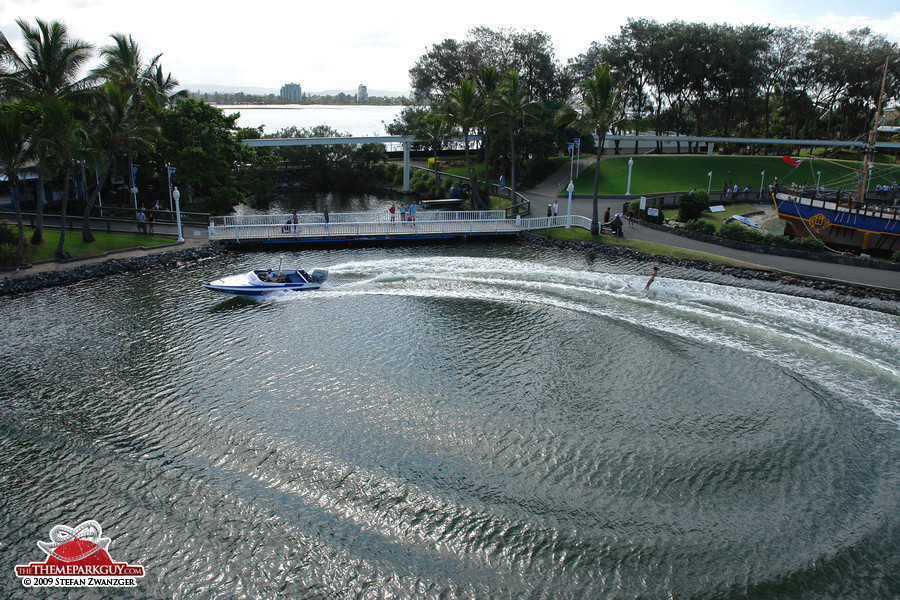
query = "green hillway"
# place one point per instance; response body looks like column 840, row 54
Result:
column 659, row 173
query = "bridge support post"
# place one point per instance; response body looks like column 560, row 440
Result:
column 406, row 167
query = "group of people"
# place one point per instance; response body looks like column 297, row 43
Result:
column 733, row 190
column 404, row 209
column 614, row 224
column 144, row 222
column 553, row 209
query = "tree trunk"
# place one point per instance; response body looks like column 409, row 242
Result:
column 38, row 236
column 512, row 165
column 60, row 253
column 595, row 215
column 476, row 197
column 86, row 234
column 17, row 205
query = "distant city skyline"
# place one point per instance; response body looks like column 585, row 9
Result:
column 269, row 43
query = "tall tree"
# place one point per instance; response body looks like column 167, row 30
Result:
column 124, row 66
column 513, row 106
column 597, row 108
column 61, row 141
column 488, row 82
column 112, row 127
column 462, row 108
column 16, row 153
column 50, row 67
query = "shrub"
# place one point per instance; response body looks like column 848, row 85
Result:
column 895, row 257
column 741, row 233
column 635, row 207
column 700, row 226
column 691, row 206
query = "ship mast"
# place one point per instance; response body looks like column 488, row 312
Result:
column 869, row 152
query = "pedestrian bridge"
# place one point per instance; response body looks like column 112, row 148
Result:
column 378, row 226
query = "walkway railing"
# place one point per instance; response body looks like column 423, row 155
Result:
column 367, row 225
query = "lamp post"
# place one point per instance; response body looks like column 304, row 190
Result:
column 570, row 188
column 762, row 179
column 630, row 164
column 709, row 185
column 176, row 195
column 818, row 179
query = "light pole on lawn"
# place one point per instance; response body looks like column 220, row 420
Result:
column 570, row 189
column 709, row 185
column 762, row 178
column 630, row 164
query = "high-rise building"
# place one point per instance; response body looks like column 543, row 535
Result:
column 290, row 92
column 362, row 94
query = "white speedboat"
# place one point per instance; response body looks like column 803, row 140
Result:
column 266, row 281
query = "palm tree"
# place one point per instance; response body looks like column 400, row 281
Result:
column 112, row 127
column 124, row 66
column 16, row 153
column 50, row 67
column 513, row 106
column 61, row 141
column 488, row 82
column 598, row 108
column 433, row 131
column 462, row 109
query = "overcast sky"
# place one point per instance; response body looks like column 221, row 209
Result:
column 338, row 44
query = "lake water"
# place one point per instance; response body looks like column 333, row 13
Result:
column 357, row 120
column 461, row 421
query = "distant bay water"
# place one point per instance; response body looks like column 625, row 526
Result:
column 357, row 120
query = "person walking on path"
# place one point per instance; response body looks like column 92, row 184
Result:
column 142, row 222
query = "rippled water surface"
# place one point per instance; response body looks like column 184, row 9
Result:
column 456, row 422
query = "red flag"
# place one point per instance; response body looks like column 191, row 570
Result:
column 791, row 161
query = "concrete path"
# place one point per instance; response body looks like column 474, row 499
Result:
column 549, row 191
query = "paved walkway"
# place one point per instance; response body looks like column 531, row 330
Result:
column 548, row 191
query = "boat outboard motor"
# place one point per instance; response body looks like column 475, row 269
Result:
column 319, row 275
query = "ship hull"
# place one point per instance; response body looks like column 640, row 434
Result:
column 866, row 228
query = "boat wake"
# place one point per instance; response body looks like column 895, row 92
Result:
column 818, row 340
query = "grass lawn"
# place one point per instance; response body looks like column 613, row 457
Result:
column 76, row 247
column 658, row 174
column 583, row 235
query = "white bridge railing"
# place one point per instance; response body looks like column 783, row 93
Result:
column 363, row 225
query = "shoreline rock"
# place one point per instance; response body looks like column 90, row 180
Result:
column 160, row 260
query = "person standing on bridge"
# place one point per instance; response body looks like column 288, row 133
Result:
column 412, row 211
column 326, row 213
column 402, row 212
column 393, row 211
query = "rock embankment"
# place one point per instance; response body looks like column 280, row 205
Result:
column 162, row 260
column 737, row 272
